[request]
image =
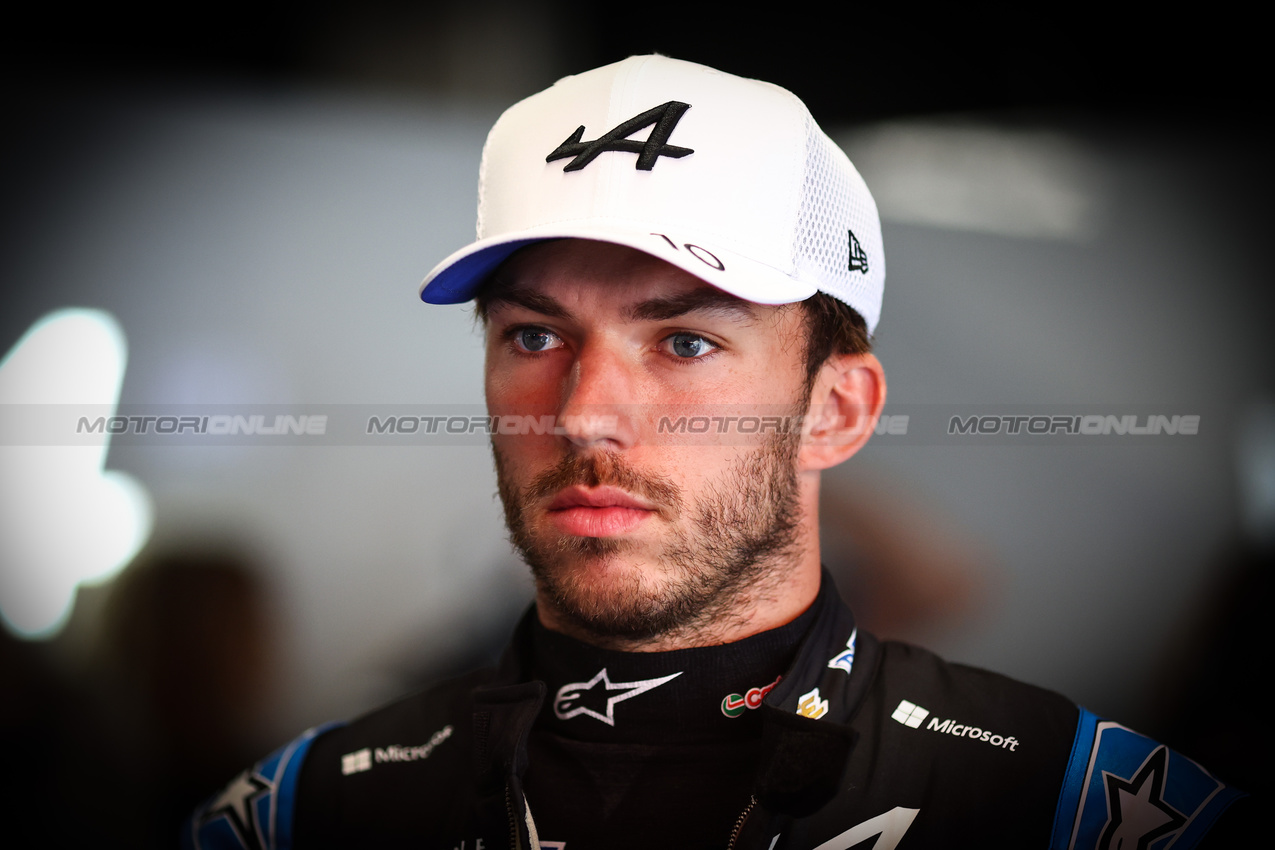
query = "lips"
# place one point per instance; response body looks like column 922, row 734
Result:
column 598, row 497
column 598, row 511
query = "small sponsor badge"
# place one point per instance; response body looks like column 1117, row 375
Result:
column 356, row 762
column 810, row 705
column 734, row 704
column 845, row 660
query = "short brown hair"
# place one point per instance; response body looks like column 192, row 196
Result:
column 833, row 327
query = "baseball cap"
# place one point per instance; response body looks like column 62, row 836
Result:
column 727, row 178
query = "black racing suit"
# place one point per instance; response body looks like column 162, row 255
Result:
column 859, row 741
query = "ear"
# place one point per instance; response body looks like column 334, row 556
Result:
column 845, row 403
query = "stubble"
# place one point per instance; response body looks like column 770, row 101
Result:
column 728, row 557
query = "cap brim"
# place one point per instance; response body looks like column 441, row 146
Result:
column 458, row 278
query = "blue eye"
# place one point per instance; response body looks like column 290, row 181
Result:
column 690, row 346
column 534, row 339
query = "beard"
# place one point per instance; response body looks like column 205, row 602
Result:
column 737, row 530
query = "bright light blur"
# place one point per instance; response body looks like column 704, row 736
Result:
column 966, row 176
column 64, row 520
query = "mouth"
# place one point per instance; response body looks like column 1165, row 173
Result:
column 598, row 511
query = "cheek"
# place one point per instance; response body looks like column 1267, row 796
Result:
column 523, row 423
column 521, row 446
column 520, row 459
column 513, row 391
column 702, row 469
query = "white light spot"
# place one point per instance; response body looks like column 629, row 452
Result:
column 64, row 520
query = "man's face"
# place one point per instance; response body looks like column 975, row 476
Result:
column 633, row 531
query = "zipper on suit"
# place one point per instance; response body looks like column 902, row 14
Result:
column 739, row 823
column 515, row 836
column 515, row 840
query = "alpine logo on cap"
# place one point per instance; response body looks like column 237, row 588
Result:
column 664, row 117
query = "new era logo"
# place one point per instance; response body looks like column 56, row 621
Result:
column 858, row 256
column 910, row 714
column 356, row 762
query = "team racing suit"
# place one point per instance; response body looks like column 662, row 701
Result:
column 816, row 736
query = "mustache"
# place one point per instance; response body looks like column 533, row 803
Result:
column 599, row 469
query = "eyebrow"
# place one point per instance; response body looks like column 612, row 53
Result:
column 705, row 300
column 532, row 301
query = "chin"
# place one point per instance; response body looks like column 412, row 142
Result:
column 602, row 592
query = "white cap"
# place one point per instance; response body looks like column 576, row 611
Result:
column 727, row 178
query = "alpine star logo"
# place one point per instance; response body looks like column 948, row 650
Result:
column 1137, row 812
column 734, row 704
column 912, row 715
column 1134, row 793
column 569, row 701
column 664, row 117
column 845, row 661
column 238, row 804
column 810, row 705
column 858, row 256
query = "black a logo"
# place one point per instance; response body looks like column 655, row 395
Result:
column 664, row 117
column 858, row 256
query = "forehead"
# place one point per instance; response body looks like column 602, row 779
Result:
column 569, row 272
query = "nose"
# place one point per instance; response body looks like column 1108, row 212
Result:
column 598, row 408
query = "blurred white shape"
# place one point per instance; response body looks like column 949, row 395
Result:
column 63, row 519
column 966, row 176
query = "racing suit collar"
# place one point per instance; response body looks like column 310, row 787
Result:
column 803, row 757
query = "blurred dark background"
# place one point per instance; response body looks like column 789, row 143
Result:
column 849, row 61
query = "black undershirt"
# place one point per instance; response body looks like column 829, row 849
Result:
column 673, row 767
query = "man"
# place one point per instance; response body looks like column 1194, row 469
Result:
column 681, row 272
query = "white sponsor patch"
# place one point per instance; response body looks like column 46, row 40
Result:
column 398, row 752
column 569, row 701
column 912, row 715
column 356, row 762
column 909, row 714
column 361, row 760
